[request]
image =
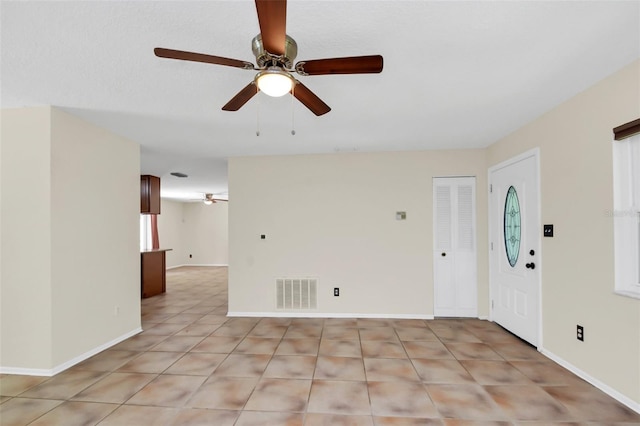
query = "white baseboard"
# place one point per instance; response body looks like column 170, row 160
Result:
column 65, row 365
column 174, row 267
column 209, row 264
column 304, row 314
column 197, row 264
column 623, row 399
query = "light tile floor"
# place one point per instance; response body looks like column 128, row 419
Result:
column 194, row 366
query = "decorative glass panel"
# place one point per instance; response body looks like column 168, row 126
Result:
column 512, row 228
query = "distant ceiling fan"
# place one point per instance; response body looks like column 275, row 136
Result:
column 208, row 199
column 275, row 51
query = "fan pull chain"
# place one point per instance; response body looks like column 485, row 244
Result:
column 258, row 116
column 293, row 90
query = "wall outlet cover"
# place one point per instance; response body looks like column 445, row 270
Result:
column 580, row 333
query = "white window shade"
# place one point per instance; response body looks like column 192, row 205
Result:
column 634, row 170
column 626, row 215
column 145, row 232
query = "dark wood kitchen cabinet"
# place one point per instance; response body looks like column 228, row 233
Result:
column 153, row 272
column 149, row 194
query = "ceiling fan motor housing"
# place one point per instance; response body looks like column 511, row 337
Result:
column 265, row 59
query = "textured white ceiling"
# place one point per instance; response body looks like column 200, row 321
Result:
column 456, row 74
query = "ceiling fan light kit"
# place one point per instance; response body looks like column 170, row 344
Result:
column 275, row 51
column 274, row 82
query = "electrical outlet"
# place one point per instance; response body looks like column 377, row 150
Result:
column 336, row 291
column 580, row 333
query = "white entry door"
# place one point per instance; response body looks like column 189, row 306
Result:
column 454, row 255
column 514, row 222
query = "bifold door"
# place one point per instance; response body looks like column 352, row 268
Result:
column 454, row 256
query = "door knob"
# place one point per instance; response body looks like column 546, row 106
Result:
column 530, row 265
column 443, row 254
column 532, row 252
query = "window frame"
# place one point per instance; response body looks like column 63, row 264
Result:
column 626, row 212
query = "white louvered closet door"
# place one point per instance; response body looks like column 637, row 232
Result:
column 454, row 256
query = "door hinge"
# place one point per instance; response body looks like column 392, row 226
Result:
column 490, row 188
column 492, row 304
column 491, row 246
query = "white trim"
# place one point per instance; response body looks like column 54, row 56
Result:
column 174, row 267
column 208, row 264
column 623, row 399
column 65, row 365
column 327, row 315
column 534, row 152
column 199, row 264
column 631, row 294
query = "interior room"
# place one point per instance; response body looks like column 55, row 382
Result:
column 433, row 226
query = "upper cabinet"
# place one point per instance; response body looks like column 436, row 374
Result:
column 149, row 194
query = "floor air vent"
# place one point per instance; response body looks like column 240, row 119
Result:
column 296, row 294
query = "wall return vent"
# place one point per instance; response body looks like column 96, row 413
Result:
column 296, row 294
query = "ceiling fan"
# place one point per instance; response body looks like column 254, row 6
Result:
column 208, row 199
column 275, row 51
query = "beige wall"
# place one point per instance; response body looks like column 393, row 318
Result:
column 577, row 264
column 171, row 231
column 95, row 257
column 332, row 217
column 25, row 196
column 70, row 256
column 207, row 229
column 194, row 229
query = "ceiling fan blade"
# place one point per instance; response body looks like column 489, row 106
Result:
column 200, row 57
column 272, row 16
column 241, row 98
column 309, row 99
column 348, row 65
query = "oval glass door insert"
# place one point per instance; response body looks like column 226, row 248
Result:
column 512, row 228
